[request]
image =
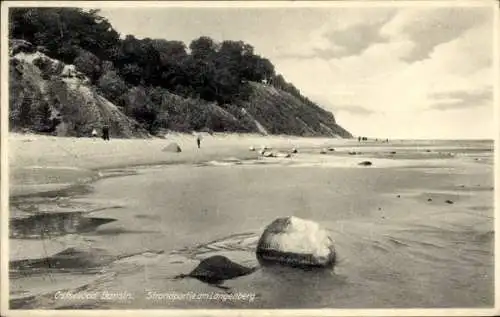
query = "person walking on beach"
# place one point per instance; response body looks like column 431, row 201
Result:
column 198, row 140
column 105, row 132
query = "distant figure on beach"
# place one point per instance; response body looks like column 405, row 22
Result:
column 359, row 139
column 105, row 132
column 94, row 133
column 198, row 140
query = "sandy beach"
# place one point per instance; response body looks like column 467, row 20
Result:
column 33, row 159
column 76, row 158
column 123, row 217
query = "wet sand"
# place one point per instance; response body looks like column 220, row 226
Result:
column 415, row 229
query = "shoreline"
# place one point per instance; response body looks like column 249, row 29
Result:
column 40, row 165
column 81, row 160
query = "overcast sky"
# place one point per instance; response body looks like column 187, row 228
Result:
column 402, row 72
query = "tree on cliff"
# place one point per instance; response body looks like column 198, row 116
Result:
column 64, row 30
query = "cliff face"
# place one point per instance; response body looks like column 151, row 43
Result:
column 47, row 96
column 278, row 112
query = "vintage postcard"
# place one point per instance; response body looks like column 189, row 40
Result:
column 318, row 158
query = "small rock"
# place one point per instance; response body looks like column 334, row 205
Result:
column 352, row 153
column 365, row 163
column 294, row 150
column 393, row 152
column 216, row 269
column 251, row 148
column 429, row 199
column 172, row 147
column 449, row 201
column 268, row 154
column 331, row 149
column 399, row 196
column 323, row 151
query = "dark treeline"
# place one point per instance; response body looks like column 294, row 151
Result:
column 207, row 70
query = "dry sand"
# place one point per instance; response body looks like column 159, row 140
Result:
column 40, row 163
column 44, row 163
column 91, row 153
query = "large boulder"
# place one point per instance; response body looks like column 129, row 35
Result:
column 172, row 147
column 296, row 242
